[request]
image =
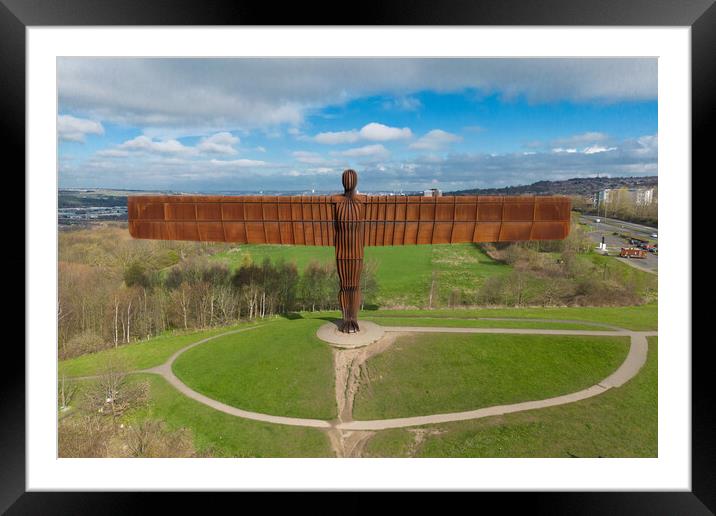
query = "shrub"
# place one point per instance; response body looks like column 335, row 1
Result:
column 85, row 342
column 83, row 435
column 151, row 438
column 135, row 274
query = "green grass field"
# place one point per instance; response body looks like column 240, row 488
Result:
column 281, row 369
column 623, row 422
column 449, row 322
column 433, row 373
column 223, row 435
column 139, row 355
column 457, row 266
column 157, row 350
column 641, row 318
column 613, row 267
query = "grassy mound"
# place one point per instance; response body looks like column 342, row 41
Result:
column 438, row 373
column 280, row 368
column 621, row 422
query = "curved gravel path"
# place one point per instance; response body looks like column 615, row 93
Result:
column 628, row 369
column 165, row 370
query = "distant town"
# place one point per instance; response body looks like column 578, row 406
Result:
column 82, row 206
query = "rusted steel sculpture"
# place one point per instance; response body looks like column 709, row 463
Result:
column 349, row 222
column 350, row 213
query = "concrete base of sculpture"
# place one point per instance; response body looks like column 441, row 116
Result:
column 369, row 332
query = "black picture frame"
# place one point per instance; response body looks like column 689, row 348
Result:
column 17, row 15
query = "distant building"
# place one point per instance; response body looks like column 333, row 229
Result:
column 639, row 196
column 433, row 192
column 644, row 197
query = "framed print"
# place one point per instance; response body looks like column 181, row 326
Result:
column 488, row 317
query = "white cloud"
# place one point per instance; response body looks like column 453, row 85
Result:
column 435, row 140
column 577, row 140
column 334, row 138
column 380, row 133
column 238, row 163
column 75, row 129
column 145, row 144
column 113, row 153
column 645, row 145
column 403, row 104
column 312, row 158
column 168, row 95
column 319, row 171
column 372, row 151
column 594, row 149
column 219, row 143
column 373, row 131
column 632, row 157
column 591, row 149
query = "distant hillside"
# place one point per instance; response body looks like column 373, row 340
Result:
column 95, row 197
column 77, row 199
column 574, row 186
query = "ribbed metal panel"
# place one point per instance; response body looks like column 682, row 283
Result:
column 349, row 222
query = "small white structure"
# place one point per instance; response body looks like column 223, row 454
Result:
column 433, row 192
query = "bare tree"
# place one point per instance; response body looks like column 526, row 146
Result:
column 113, row 393
column 151, row 438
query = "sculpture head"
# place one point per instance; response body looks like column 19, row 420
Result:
column 350, row 181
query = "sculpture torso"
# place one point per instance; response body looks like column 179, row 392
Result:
column 350, row 213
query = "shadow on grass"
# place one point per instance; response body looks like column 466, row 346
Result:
column 291, row 316
column 334, row 320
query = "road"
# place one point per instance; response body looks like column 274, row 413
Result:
column 621, row 226
column 607, row 227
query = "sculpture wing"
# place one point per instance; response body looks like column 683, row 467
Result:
column 409, row 220
column 296, row 220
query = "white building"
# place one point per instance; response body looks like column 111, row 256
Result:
column 433, row 192
column 639, row 196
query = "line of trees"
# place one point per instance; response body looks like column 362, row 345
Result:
column 100, row 307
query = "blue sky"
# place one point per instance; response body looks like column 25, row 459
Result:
column 403, row 124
